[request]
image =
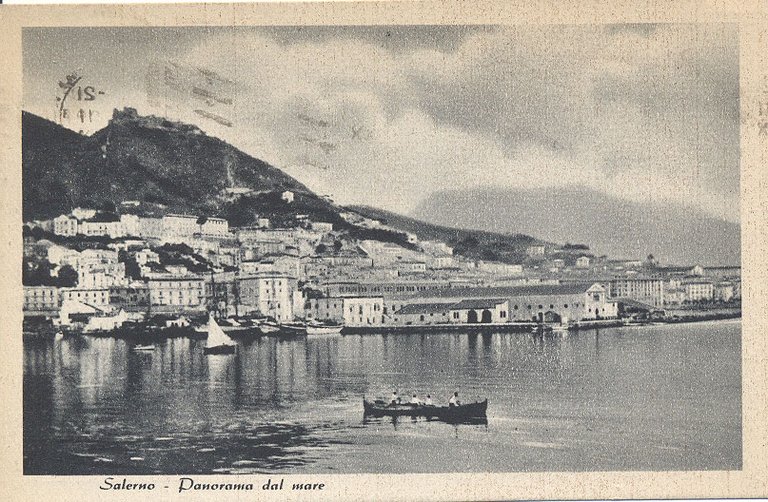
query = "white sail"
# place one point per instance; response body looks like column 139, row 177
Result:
column 216, row 336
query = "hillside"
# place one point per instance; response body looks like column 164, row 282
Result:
column 137, row 158
column 618, row 228
column 474, row 244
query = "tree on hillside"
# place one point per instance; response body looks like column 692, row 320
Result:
column 67, row 277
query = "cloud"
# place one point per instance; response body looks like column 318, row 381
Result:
column 387, row 116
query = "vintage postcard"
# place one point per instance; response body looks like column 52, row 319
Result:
column 384, row 251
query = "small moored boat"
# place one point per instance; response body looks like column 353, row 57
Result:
column 379, row 408
column 144, row 348
column 319, row 328
column 293, row 329
column 268, row 327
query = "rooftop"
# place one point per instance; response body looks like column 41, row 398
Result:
column 425, row 308
column 477, row 304
column 509, row 291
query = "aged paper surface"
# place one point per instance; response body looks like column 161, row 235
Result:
column 593, row 480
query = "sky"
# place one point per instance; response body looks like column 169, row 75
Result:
column 387, row 115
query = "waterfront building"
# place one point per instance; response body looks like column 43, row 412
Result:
column 536, row 250
column 674, row 295
column 40, row 299
column 421, row 314
column 556, row 303
column 287, row 196
column 78, row 312
column 94, row 297
column 131, row 298
column 357, row 311
column 724, row 292
column 385, row 288
column 480, row 310
column 176, row 294
column 363, row 311
column 698, row 289
column 270, row 294
column 648, row 290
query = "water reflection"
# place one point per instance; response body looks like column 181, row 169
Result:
column 611, row 399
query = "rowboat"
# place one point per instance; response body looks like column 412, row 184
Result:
column 144, row 348
column 380, row 408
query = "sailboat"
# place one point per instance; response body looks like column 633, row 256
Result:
column 218, row 342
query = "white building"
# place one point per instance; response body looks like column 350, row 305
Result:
column 582, row 262
column 82, row 213
column 479, row 310
column 65, row 225
column 94, row 297
column 436, row 248
column 698, row 290
column 287, row 196
column 112, row 229
column 214, row 227
column 270, row 294
column 322, row 226
column 363, row 311
column 177, row 227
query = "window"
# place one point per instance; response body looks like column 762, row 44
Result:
column 529, row 307
column 541, row 307
column 515, row 307
column 565, row 306
column 551, row 306
column 503, row 314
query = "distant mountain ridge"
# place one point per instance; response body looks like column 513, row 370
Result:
column 472, row 243
column 618, row 228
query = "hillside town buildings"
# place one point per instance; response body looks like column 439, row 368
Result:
column 186, row 264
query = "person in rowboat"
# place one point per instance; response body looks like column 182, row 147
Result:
column 415, row 400
column 395, row 399
column 454, row 400
column 428, row 401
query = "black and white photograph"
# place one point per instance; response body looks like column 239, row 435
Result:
column 380, row 249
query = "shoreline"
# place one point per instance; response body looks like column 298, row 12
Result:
column 157, row 333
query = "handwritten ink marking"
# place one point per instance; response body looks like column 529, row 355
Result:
column 84, row 95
